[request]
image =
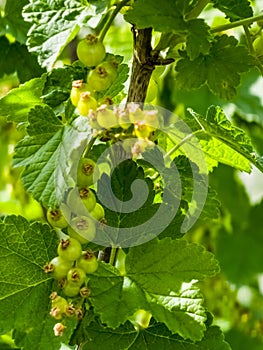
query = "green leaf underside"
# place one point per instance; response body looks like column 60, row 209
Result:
column 225, row 142
column 24, row 249
column 220, row 70
column 218, row 141
column 234, row 9
column 168, row 298
column 45, row 153
column 187, row 171
column 53, row 25
column 155, row 337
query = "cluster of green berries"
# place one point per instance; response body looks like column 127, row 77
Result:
column 71, row 269
column 102, row 74
column 81, row 212
column 79, row 219
column 101, row 116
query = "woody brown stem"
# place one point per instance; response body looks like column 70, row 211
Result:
column 142, row 65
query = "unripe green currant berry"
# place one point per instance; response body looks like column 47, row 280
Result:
column 77, row 88
column 140, row 146
column 82, row 228
column 88, row 262
column 88, row 198
column 141, row 129
column 98, row 212
column 56, row 218
column 84, row 292
column 108, row 101
column 58, row 267
column 81, row 201
column 58, row 302
column 92, row 117
column 152, row 119
column 69, row 249
column 56, row 313
column 106, row 117
column 70, row 311
column 86, row 103
column 135, row 112
column 111, row 68
column 90, row 51
column 71, row 289
column 76, row 276
column 99, row 79
column 258, row 45
column 87, row 173
column 124, row 119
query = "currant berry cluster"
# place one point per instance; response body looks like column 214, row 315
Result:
column 91, row 52
column 71, row 269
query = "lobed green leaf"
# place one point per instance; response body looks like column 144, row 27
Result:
column 53, row 25
column 46, row 154
column 24, row 249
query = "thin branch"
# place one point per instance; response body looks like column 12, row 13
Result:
column 111, row 18
column 242, row 22
column 180, row 144
column 195, row 12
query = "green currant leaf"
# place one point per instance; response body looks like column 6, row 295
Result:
column 16, row 105
column 155, row 337
column 15, row 57
column 46, row 153
column 128, row 197
column 59, row 83
column 107, row 285
column 146, row 13
column 182, row 312
column 185, row 305
column 220, row 70
column 233, row 147
column 234, row 9
column 157, row 272
column 24, row 249
column 53, row 25
column 187, row 170
column 198, row 39
column 12, row 21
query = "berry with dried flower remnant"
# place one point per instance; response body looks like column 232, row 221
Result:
column 82, row 228
column 69, row 249
column 90, row 51
column 86, row 103
column 58, row 267
column 56, row 218
column 77, row 88
column 59, row 329
column 106, row 117
column 88, row 262
column 87, row 173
